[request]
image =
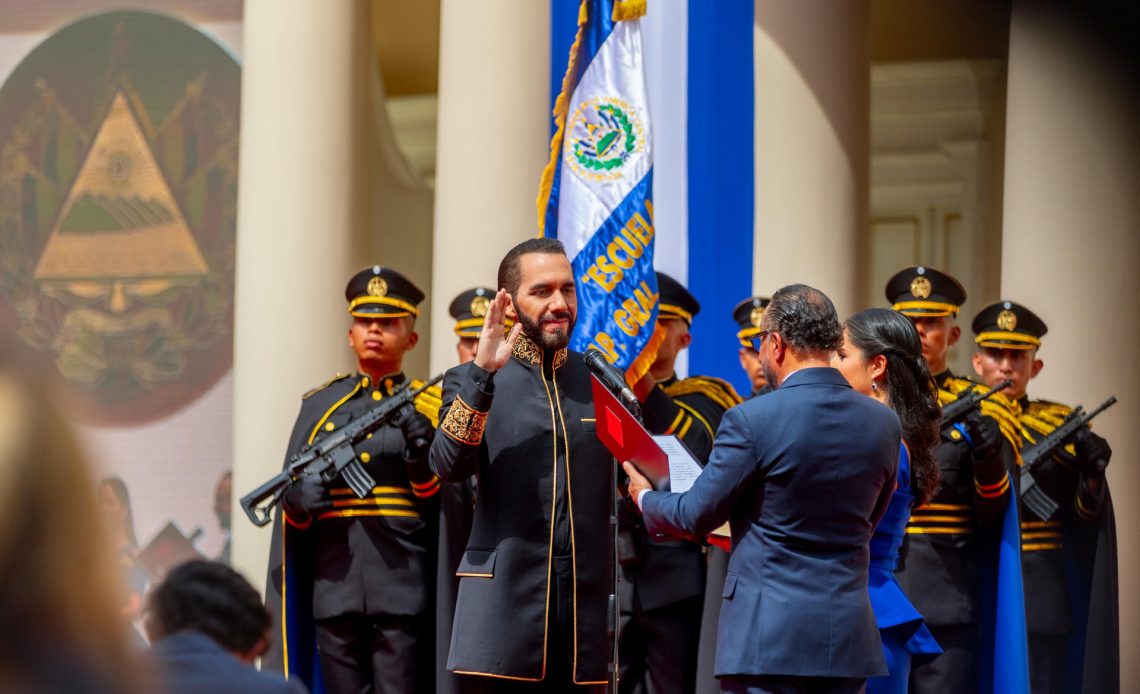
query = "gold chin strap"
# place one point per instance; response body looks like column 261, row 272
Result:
column 1000, row 339
column 672, row 311
column 927, row 309
column 408, row 309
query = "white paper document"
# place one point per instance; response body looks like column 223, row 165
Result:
column 683, row 467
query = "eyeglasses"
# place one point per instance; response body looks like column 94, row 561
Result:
column 758, row 339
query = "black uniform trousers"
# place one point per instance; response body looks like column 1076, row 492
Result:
column 559, row 645
column 956, row 670
column 392, row 643
column 659, row 647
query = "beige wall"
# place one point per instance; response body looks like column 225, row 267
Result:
column 812, row 72
column 1070, row 248
column 494, row 139
column 305, row 218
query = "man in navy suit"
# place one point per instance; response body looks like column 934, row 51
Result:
column 207, row 626
column 802, row 475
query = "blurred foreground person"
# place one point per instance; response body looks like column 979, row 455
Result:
column 208, row 626
column 115, row 501
column 60, row 623
column 881, row 357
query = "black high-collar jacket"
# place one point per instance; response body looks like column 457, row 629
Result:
column 528, row 431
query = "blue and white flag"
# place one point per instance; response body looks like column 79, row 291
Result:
column 596, row 193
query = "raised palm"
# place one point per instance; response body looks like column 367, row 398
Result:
column 494, row 347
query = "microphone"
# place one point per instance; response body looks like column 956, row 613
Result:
column 613, row 379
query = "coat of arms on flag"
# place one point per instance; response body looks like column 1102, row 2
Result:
column 596, row 192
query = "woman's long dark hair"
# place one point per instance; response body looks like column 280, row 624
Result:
column 910, row 389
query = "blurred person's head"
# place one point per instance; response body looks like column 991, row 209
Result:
column 223, row 496
column 115, row 501
column 59, row 585
column 881, row 356
column 211, row 599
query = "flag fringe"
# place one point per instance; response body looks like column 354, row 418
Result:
column 561, row 108
column 644, row 361
column 628, row 9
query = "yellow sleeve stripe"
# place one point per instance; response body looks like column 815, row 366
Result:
column 1027, row 525
column 939, row 519
column 1041, row 536
column 685, row 427
column 1037, row 546
column 943, row 507
column 938, row 531
column 696, row 414
column 992, row 491
column 676, row 422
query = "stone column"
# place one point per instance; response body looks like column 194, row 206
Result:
column 1070, row 247
column 494, row 139
column 812, row 67
column 302, row 213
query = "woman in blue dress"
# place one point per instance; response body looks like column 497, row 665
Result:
column 881, row 357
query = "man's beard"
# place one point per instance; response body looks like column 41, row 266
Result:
column 769, row 373
column 547, row 341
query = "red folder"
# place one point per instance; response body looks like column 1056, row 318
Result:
column 626, row 438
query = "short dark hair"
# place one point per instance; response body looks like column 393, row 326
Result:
column 210, row 598
column 510, row 275
column 805, row 318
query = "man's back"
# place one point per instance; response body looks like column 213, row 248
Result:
column 803, row 475
column 190, row 662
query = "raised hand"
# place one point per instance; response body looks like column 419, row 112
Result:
column 495, row 348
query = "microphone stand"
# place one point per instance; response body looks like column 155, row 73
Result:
column 614, row 616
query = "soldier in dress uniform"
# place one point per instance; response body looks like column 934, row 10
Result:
column 357, row 574
column 1072, row 647
column 469, row 309
column 747, row 315
column 664, row 581
column 941, row 555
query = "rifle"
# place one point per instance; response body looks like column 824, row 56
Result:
column 330, row 456
column 1034, row 497
column 965, row 404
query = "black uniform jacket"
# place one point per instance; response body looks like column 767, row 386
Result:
column 366, row 556
column 671, row 570
column 939, row 559
column 521, row 429
column 1069, row 561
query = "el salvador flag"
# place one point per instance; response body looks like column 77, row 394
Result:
column 596, row 192
column 697, row 62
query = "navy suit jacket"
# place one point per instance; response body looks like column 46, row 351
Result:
column 802, row 474
column 193, row 663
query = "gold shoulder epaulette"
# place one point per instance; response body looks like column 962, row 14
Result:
column 321, row 387
column 719, row 391
column 429, row 401
column 1004, row 411
column 949, row 391
column 1041, row 417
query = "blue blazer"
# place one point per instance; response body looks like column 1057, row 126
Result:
column 802, row 475
column 190, row 663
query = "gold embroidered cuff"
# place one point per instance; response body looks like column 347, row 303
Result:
column 464, row 423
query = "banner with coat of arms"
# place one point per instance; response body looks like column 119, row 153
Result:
column 596, row 192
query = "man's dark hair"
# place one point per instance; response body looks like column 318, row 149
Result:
column 209, row 598
column 510, row 275
column 805, row 318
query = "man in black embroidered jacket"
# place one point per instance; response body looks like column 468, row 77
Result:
column 531, row 609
